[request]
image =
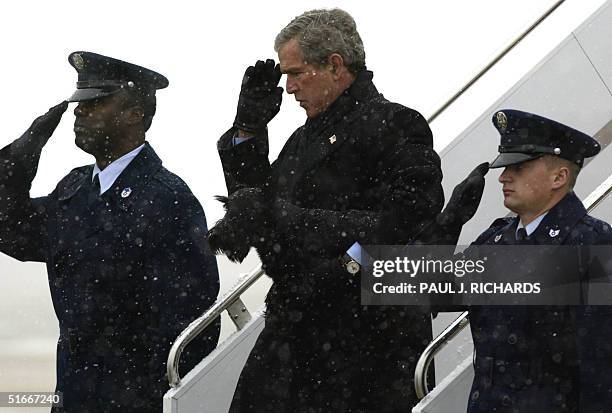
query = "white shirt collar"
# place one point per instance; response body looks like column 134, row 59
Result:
column 109, row 175
column 533, row 225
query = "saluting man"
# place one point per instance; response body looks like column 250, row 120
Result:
column 123, row 240
column 537, row 358
column 361, row 168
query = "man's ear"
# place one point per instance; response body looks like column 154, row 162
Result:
column 336, row 63
column 135, row 114
column 561, row 177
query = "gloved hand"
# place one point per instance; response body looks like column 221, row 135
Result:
column 461, row 207
column 465, row 199
column 28, row 147
column 260, row 97
column 246, row 224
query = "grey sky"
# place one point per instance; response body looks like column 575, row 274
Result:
column 421, row 53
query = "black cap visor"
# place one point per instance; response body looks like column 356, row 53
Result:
column 89, row 93
column 512, row 158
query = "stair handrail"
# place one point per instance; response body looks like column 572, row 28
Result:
column 240, row 317
column 494, row 61
column 422, row 367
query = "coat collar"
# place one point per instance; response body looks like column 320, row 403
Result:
column 505, row 234
column 327, row 132
column 126, row 187
column 109, row 175
column 362, row 89
column 554, row 228
column 560, row 221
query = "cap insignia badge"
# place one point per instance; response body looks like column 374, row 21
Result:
column 78, row 61
column 502, row 121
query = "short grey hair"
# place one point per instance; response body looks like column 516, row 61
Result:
column 321, row 33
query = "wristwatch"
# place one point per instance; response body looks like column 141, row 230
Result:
column 351, row 266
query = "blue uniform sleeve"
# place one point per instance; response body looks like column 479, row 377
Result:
column 23, row 229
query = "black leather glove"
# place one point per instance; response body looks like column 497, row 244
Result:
column 246, row 224
column 26, row 150
column 461, row 207
column 260, row 97
column 227, row 238
column 465, row 199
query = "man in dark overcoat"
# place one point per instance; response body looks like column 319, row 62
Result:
column 123, row 240
column 361, row 169
column 541, row 358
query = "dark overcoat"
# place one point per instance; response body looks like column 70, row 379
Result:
column 127, row 270
column 364, row 170
column 544, row 358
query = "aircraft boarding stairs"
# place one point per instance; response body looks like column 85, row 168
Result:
column 571, row 84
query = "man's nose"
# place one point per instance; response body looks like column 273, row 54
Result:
column 291, row 86
column 504, row 176
column 79, row 110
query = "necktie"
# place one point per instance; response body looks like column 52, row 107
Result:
column 96, row 184
column 521, row 235
column 94, row 191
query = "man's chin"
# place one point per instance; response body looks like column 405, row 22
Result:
column 312, row 113
column 511, row 205
column 84, row 143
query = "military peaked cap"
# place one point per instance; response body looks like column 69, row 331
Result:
column 526, row 136
column 100, row 76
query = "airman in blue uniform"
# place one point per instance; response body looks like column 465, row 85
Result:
column 542, row 358
column 123, row 240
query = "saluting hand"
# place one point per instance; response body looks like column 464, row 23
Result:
column 465, row 198
column 260, row 96
column 27, row 148
column 446, row 228
column 40, row 131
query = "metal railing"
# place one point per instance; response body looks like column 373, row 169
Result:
column 422, row 367
column 421, row 371
column 236, row 309
column 493, row 62
column 231, row 301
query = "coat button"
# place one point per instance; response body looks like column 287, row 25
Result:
column 506, row 400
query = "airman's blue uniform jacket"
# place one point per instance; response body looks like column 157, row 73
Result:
column 544, row 358
column 127, row 270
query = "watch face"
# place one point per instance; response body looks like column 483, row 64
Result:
column 352, row 267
